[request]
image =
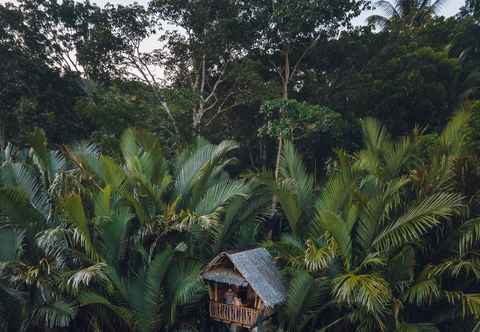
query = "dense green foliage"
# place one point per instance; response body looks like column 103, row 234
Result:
column 350, row 153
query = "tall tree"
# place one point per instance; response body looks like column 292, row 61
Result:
column 473, row 7
column 207, row 42
column 368, row 236
column 289, row 32
column 34, row 90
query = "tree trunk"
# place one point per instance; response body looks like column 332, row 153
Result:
column 199, row 109
column 3, row 137
column 285, row 81
column 285, row 98
column 197, row 118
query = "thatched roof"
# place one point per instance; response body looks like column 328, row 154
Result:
column 256, row 266
column 226, row 276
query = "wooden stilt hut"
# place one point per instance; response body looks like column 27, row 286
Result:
column 254, row 279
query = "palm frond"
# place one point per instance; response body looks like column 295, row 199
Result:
column 438, row 5
column 469, row 303
column 86, row 158
column 289, row 248
column 84, row 276
column 378, row 20
column 201, row 164
column 91, row 299
column 54, row 242
column 423, row 292
column 375, row 136
column 373, row 260
column 377, row 210
column 57, row 314
column 469, row 234
column 219, row 194
column 419, row 219
column 288, row 200
column 73, row 207
column 401, row 267
column 295, row 189
column 240, row 212
column 111, row 173
column 49, row 162
column 113, row 234
column 292, row 168
column 15, row 205
column 10, row 298
column 157, row 270
column 18, row 175
column 389, row 9
column 145, row 294
column 338, row 229
column 184, row 286
column 457, row 267
column 319, row 258
column 454, row 138
column 338, row 191
column 305, row 298
column 143, row 157
column 11, row 241
column 369, row 291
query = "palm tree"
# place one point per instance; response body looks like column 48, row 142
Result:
column 30, row 182
column 373, row 222
column 143, row 290
column 91, row 242
column 193, row 200
column 151, row 222
column 409, row 13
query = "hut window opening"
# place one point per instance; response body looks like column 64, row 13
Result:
column 235, row 295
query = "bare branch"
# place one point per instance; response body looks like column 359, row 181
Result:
column 202, row 84
column 220, row 112
column 212, row 105
column 214, row 88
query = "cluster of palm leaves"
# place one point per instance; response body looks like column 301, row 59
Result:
column 90, row 243
column 406, row 13
column 390, row 241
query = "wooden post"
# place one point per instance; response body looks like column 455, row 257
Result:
column 216, row 292
column 257, row 302
column 210, row 291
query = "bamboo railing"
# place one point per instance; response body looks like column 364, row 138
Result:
column 232, row 314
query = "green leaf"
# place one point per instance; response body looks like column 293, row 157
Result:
column 10, row 243
column 370, row 291
column 419, row 219
column 58, row 314
column 74, row 209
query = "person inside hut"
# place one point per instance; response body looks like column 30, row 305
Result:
column 228, row 297
column 237, row 301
